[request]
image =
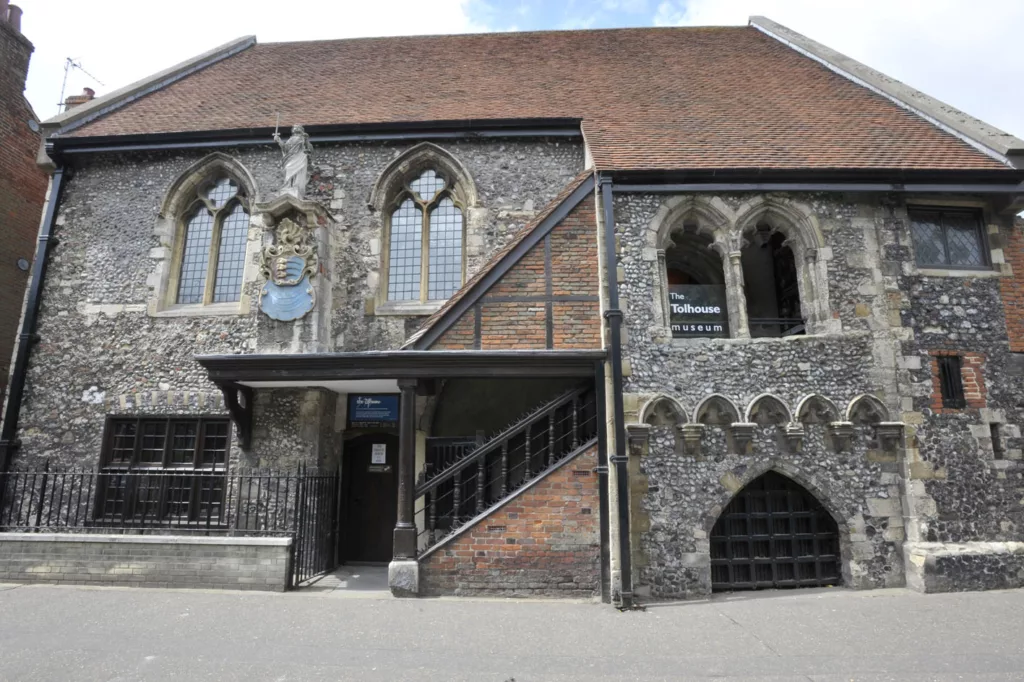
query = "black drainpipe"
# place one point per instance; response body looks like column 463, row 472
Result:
column 27, row 334
column 614, row 316
column 602, row 480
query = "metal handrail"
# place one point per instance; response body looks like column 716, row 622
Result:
column 493, row 444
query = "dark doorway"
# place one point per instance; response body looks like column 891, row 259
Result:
column 370, row 487
column 774, row 534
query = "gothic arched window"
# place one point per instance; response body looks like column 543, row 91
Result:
column 425, row 248
column 215, row 229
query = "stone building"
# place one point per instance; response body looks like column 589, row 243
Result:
column 22, row 184
column 690, row 309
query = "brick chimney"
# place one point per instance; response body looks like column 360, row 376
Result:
column 72, row 101
column 10, row 14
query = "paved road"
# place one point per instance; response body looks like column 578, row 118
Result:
column 68, row 633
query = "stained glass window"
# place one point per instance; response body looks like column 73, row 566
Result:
column 948, row 238
column 216, row 231
column 406, row 249
column 194, row 258
column 426, row 243
column 445, row 250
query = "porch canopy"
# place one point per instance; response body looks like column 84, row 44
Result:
column 405, row 371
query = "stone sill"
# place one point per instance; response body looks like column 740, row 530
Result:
column 147, row 539
column 925, row 549
column 939, row 272
column 683, row 344
column 212, row 310
column 408, row 308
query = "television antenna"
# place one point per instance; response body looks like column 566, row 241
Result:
column 69, row 64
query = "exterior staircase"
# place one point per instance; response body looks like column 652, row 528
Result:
column 465, row 480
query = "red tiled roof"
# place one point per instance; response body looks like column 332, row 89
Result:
column 651, row 98
column 499, row 256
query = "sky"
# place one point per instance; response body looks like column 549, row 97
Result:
column 963, row 52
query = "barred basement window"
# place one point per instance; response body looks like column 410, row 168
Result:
column 216, row 227
column 951, row 382
column 163, row 469
column 948, row 238
column 425, row 247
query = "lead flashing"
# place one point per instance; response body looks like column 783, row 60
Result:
column 987, row 139
column 80, row 115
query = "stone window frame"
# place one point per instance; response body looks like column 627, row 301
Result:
column 992, row 244
column 388, row 192
column 728, row 227
column 171, row 228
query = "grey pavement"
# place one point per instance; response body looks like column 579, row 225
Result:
column 124, row 634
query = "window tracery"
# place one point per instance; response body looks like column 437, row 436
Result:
column 426, row 244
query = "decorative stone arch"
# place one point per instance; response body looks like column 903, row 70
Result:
column 867, row 410
column 740, row 479
column 767, row 409
column 796, row 221
column 182, row 191
column 716, row 410
column 416, row 159
column 816, row 409
column 170, row 231
column 712, row 216
column 692, row 216
column 663, row 410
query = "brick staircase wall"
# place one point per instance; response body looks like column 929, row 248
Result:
column 542, row 542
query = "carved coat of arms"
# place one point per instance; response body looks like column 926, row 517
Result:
column 288, row 265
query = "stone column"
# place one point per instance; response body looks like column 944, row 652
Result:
column 403, row 572
column 736, row 296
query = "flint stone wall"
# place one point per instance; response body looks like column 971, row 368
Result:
column 99, row 347
column 885, row 321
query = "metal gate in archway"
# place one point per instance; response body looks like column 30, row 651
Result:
column 774, row 534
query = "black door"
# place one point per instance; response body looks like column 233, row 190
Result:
column 370, row 481
column 774, row 534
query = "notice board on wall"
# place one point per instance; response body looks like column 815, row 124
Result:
column 376, row 411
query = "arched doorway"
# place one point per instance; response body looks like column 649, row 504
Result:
column 774, row 534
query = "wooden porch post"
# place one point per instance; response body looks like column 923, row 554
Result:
column 405, row 528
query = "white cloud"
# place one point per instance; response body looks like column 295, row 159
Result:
column 964, row 53
column 121, row 41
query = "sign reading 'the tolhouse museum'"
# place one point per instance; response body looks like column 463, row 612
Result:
column 698, row 310
column 372, row 411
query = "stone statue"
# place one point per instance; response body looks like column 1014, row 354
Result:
column 297, row 151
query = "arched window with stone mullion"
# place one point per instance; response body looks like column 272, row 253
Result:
column 213, row 250
column 426, row 241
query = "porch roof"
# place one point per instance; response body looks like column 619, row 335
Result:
column 316, row 368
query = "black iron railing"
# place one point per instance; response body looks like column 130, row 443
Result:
column 302, row 504
column 468, row 478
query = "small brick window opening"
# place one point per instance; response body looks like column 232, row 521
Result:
column 951, row 382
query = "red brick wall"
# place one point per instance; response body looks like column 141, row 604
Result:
column 523, row 324
column 1012, row 288
column 543, row 542
column 22, row 189
column 971, row 373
